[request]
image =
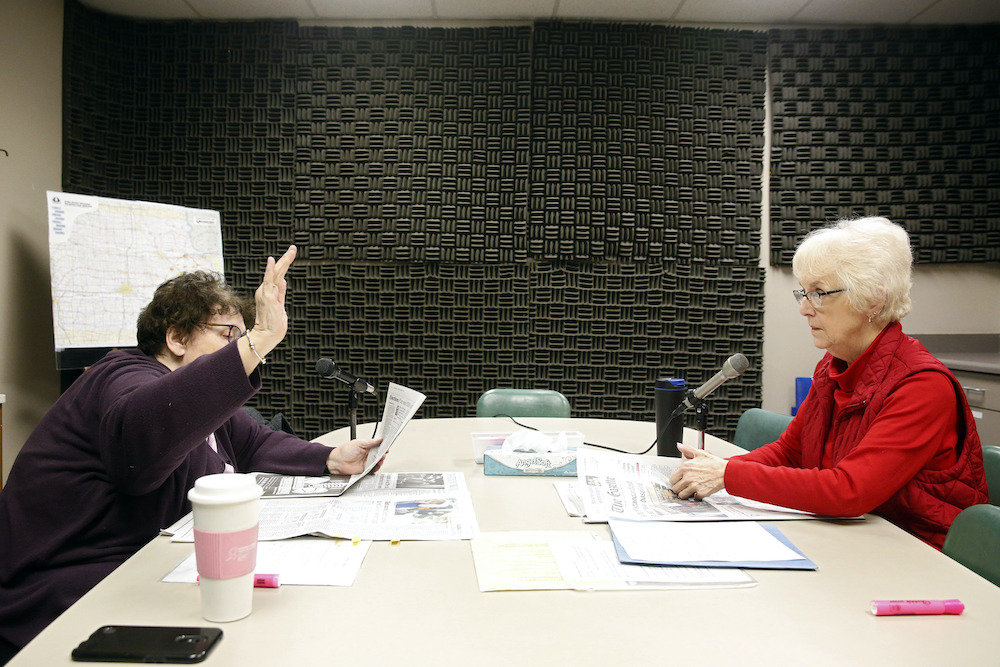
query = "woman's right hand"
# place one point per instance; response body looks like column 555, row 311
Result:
column 271, row 323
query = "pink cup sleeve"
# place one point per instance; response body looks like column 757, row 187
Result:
column 226, row 555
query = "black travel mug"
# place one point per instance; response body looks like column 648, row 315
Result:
column 668, row 393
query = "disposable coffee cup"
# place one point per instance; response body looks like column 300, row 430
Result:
column 226, row 514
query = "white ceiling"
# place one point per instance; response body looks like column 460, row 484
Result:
column 699, row 12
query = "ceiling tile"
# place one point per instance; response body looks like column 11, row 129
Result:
column 251, row 9
column 373, row 9
column 496, row 10
column 760, row 12
column 739, row 11
column 630, row 10
column 154, row 9
column 962, row 11
column 862, row 11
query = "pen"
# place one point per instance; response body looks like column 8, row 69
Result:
column 922, row 607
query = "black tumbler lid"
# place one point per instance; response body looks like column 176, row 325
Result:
column 670, row 384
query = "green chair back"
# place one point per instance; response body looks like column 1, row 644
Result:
column 522, row 403
column 974, row 541
column 991, row 459
column 758, row 427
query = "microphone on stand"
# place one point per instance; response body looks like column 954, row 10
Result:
column 735, row 366
column 328, row 369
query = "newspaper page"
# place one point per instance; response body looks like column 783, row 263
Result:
column 387, row 507
column 626, row 486
column 401, row 403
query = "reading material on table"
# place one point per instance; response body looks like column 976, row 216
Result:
column 579, row 560
column 626, row 486
column 384, row 506
column 708, row 544
column 401, row 403
column 306, row 561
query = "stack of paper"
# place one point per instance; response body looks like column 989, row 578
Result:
column 579, row 560
column 709, row 544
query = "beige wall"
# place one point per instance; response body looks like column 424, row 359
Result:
column 31, row 135
column 958, row 299
column 946, row 299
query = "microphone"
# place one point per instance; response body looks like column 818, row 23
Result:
column 328, row 369
column 734, row 367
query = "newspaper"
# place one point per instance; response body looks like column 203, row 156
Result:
column 385, row 506
column 401, row 403
column 627, row 486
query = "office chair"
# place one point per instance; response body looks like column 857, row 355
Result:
column 974, row 540
column 991, row 461
column 522, row 403
column 758, row 427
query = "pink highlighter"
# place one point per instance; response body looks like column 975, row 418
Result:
column 263, row 581
column 266, row 581
column 912, row 607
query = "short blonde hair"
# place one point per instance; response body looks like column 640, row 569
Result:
column 864, row 256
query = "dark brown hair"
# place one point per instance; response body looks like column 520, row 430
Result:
column 183, row 302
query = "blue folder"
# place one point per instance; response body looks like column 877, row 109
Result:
column 803, row 564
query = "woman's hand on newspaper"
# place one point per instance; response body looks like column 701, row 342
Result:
column 350, row 458
column 701, row 475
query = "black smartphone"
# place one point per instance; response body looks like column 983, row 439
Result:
column 139, row 643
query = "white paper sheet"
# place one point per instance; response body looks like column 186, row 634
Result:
column 306, row 561
column 736, row 541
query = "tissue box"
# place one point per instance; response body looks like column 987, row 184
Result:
column 556, row 464
column 482, row 441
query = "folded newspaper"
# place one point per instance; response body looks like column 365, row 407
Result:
column 401, row 403
column 383, row 506
column 626, row 486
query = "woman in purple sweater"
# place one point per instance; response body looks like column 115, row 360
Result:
column 111, row 463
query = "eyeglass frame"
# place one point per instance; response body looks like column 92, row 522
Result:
column 815, row 296
column 229, row 334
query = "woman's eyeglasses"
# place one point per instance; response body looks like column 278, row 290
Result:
column 234, row 333
column 815, row 296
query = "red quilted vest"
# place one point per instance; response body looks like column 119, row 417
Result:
column 927, row 504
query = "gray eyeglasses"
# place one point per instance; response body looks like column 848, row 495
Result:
column 234, row 333
column 815, row 296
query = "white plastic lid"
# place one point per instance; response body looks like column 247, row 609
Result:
column 224, row 488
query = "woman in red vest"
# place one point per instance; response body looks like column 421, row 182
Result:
column 886, row 427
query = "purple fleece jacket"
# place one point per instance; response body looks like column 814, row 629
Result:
column 111, row 463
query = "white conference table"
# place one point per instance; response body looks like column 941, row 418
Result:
column 418, row 603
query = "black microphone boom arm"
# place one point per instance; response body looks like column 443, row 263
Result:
column 328, row 368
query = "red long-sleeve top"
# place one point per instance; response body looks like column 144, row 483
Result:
column 911, row 434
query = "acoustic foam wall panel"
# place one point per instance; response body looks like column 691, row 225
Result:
column 647, row 143
column 401, row 161
column 413, row 144
column 602, row 332
column 899, row 122
column 189, row 113
column 450, row 330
